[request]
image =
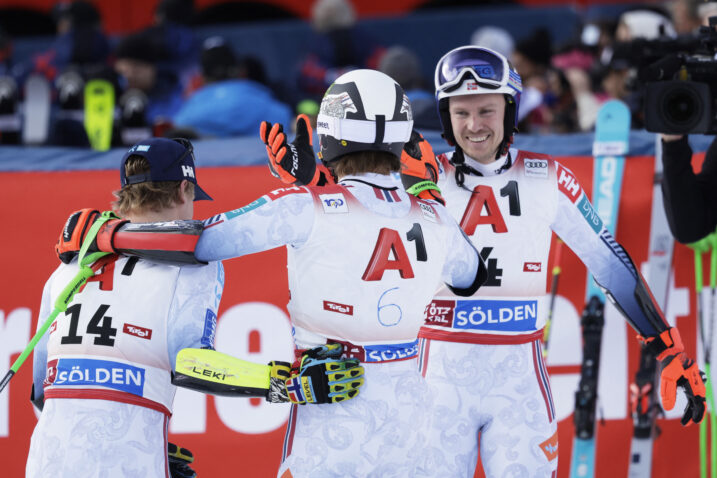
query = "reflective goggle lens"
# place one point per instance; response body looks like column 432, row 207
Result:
column 484, row 64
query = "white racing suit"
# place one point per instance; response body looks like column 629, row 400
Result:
column 481, row 356
column 103, row 368
column 364, row 259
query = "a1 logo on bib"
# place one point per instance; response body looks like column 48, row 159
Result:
column 334, row 203
column 536, row 168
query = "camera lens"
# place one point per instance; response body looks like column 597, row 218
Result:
column 681, row 106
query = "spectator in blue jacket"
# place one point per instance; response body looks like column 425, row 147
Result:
column 229, row 103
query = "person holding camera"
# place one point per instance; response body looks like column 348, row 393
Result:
column 690, row 198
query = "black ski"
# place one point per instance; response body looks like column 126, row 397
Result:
column 645, row 410
column 591, row 322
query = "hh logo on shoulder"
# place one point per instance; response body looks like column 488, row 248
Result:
column 334, row 203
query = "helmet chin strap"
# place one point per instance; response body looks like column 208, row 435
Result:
column 509, row 120
column 462, row 169
column 505, row 145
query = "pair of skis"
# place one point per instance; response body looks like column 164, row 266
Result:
column 612, row 132
column 609, row 143
column 99, row 111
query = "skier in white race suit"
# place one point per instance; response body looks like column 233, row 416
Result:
column 364, row 259
column 102, row 371
column 106, row 372
column 482, row 355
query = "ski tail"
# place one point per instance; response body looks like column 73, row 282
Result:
column 99, row 113
column 36, row 110
column 592, row 323
column 644, row 401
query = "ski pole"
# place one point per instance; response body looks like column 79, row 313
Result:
column 553, row 293
column 699, row 247
column 66, row 296
column 712, row 242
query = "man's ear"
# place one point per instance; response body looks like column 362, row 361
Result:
column 184, row 192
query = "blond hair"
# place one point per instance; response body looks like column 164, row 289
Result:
column 148, row 196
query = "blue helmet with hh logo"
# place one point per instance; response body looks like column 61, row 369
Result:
column 472, row 70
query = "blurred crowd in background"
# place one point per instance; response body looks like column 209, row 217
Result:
column 169, row 83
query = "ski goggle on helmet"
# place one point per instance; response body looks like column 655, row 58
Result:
column 471, row 70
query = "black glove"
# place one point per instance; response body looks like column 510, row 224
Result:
column 179, row 461
column 322, row 376
column 293, row 163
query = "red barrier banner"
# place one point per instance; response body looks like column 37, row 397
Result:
column 244, row 436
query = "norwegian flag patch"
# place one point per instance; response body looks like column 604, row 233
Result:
column 293, row 389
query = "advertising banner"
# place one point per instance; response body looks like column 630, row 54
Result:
column 243, row 437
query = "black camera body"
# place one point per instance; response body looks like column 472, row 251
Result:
column 680, row 107
column 678, row 78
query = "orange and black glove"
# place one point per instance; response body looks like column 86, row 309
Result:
column 76, row 228
column 419, row 169
column 678, row 370
column 293, row 163
column 171, row 242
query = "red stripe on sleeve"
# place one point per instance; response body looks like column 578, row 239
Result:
column 155, row 241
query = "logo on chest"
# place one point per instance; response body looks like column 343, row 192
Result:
column 439, row 312
column 536, row 168
column 532, row 266
column 428, row 212
column 340, row 308
column 137, row 331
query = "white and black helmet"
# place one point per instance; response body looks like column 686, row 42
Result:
column 363, row 110
column 472, row 70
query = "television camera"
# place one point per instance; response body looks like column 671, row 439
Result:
column 678, row 77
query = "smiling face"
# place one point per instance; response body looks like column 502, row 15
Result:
column 477, row 122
